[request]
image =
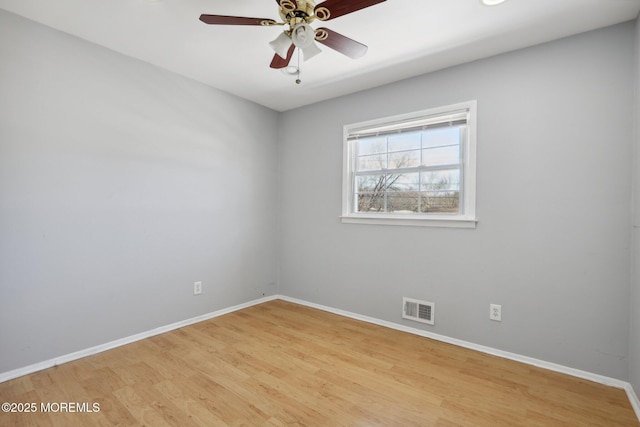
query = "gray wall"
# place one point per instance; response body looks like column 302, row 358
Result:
column 120, row 185
column 634, row 337
column 554, row 178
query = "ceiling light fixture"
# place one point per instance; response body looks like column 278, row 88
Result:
column 303, row 37
column 281, row 44
column 297, row 15
column 492, row 2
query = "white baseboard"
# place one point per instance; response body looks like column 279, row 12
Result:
column 613, row 382
column 633, row 398
column 6, row 376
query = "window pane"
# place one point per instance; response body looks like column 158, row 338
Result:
column 403, row 193
column 372, row 162
column 404, row 141
column 370, row 203
column 403, row 182
column 370, row 192
column 404, row 159
column 370, row 183
column 440, row 202
column 441, row 156
column 403, row 202
column 448, row 180
column 440, row 191
column 372, row 146
column 441, row 136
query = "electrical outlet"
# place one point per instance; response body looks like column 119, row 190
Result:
column 197, row 288
column 495, row 312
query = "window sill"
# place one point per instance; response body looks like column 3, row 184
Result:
column 446, row 222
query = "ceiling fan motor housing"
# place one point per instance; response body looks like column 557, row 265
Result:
column 296, row 12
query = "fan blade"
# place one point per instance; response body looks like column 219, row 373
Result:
column 235, row 20
column 342, row 44
column 280, row 62
column 343, row 7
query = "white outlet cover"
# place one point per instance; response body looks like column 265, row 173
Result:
column 495, row 312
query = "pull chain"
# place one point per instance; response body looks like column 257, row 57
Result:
column 298, row 81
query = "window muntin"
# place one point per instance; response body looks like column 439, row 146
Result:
column 417, row 166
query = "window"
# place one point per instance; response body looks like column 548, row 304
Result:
column 413, row 169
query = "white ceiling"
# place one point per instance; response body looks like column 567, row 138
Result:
column 405, row 38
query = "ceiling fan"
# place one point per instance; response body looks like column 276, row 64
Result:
column 298, row 14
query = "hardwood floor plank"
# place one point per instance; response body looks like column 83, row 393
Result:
column 226, row 404
column 282, row 364
column 138, row 408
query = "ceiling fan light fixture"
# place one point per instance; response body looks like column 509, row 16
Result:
column 281, row 45
column 303, row 37
column 297, row 14
column 310, row 51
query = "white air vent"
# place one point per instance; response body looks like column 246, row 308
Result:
column 420, row 311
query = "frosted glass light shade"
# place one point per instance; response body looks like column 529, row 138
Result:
column 310, row 51
column 303, row 37
column 281, row 45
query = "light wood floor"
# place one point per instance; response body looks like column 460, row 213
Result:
column 280, row 364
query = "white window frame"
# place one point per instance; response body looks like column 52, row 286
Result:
column 465, row 219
